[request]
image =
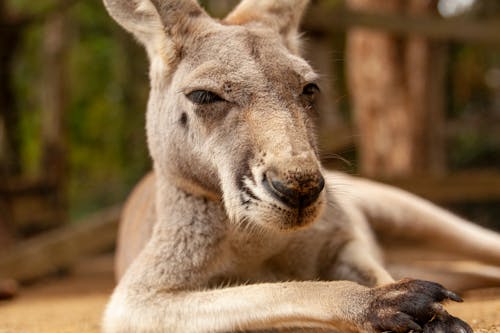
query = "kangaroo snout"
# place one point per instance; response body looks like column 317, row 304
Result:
column 294, row 189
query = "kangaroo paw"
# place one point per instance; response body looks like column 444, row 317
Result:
column 413, row 305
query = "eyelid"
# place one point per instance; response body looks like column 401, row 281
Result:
column 204, row 97
column 311, row 77
column 211, row 88
column 202, row 84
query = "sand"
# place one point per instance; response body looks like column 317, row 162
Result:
column 74, row 303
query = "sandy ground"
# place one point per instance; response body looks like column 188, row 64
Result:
column 74, row 303
column 69, row 304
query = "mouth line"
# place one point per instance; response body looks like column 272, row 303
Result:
column 250, row 193
column 247, row 196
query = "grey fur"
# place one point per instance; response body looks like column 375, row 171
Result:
column 214, row 250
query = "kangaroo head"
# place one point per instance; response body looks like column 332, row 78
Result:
column 231, row 108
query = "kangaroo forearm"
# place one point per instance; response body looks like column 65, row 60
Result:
column 252, row 307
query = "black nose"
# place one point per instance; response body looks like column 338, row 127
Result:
column 297, row 190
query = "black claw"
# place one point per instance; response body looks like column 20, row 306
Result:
column 454, row 297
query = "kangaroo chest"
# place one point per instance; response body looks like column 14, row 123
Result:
column 268, row 258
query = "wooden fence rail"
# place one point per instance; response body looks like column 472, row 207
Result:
column 466, row 186
column 61, row 248
column 323, row 18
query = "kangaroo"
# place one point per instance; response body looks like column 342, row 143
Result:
column 239, row 228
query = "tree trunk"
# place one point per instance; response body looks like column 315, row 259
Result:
column 10, row 150
column 10, row 159
column 54, row 100
column 397, row 93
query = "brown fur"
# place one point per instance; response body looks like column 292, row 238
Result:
column 239, row 206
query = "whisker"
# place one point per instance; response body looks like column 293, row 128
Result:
column 333, row 156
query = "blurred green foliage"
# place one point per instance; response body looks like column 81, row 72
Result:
column 474, row 102
column 107, row 86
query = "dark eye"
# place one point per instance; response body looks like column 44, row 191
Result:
column 310, row 89
column 203, row 97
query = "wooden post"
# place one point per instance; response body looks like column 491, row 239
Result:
column 10, row 34
column 397, row 97
column 54, row 99
column 425, row 66
column 10, row 159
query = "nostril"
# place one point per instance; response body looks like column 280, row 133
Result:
column 286, row 194
column 298, row 191
column 313, row 190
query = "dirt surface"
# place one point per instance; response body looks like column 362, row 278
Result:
column 74, row 303
column 69, row 304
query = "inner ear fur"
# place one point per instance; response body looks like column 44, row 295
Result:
column 283, row 16
column 160, row 25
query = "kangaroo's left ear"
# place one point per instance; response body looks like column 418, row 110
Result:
column 283, row 16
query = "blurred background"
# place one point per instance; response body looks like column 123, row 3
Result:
column 411, row 96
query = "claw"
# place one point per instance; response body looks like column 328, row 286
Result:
column 454, row 297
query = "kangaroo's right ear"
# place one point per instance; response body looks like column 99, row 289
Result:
column 160, row 25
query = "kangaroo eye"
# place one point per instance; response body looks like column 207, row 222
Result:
column 203, row 97
column 310, row 89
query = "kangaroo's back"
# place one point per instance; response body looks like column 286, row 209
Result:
column 136, row 224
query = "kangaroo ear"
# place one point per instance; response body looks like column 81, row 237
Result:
column 160, row 25
column 283, row 16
